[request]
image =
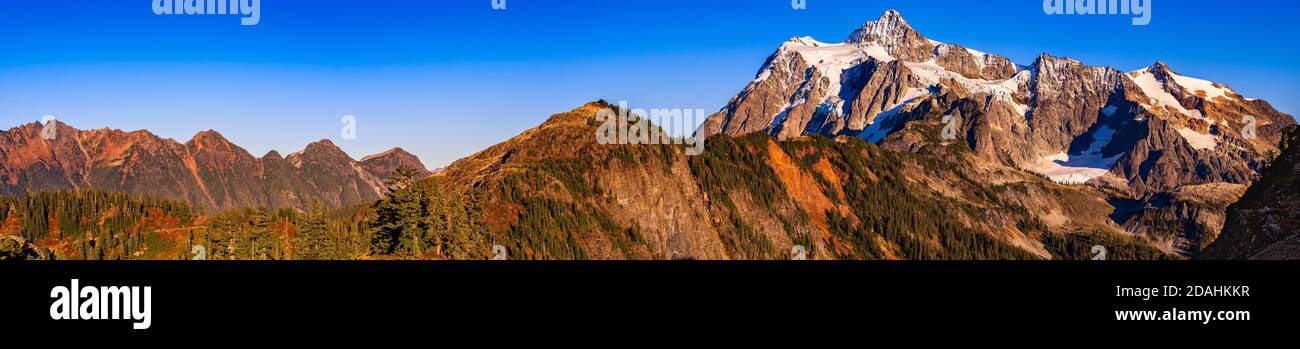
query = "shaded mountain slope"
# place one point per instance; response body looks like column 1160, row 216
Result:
column 1265, row 224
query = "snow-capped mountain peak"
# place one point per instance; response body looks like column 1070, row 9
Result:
column 1058, row 117
column 895, row 35
column 1167, row 89
column 1164, row 75
column 809, row 86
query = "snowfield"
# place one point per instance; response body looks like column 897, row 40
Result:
column 1198, row 140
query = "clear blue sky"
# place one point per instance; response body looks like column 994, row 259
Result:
column 446, row 78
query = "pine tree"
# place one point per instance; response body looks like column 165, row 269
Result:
column 400, row 224
column 464, row 234
column 313, row 241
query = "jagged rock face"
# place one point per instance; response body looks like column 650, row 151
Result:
column 1144, row 134
column 33, row 165
column 1265, row 224
column 336, row 177
column 1068, row 99
column 230, row 174
column 208, row 171
column 973, row 64
column 811, row 87
column 896, row 36
column 786, row 76
column 1186, row 134
column 383, row 164
column 885, row 86
column 283, row 185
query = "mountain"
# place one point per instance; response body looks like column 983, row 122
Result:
column 1265, row 224
column 1171, row 150
column 208, row 171
column 886, row 146
column 383, row 164
column 553, row 192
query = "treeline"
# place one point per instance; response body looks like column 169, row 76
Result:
column 90, row 224
column 913, row 224
column 261, row 234
column 1081, row 245
column 741, row 164
column 416, row 220
column 548, row 228
column 891, row 217
column 38, row 216
column 425, row 220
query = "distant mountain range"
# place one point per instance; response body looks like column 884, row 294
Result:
column 208, row 171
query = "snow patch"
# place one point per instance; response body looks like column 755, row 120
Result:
column 1198, row 140
column 1153, row 88
column 831, row 60
column 1193, row 85
column 1064, row 169
column 1079, row 169
column 931, row 73
column 875, row 131
column 779, row 118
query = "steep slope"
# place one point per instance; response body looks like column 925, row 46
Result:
column 1145, row 136
column 1265, row 224
column 227, row 173
column 552, row 193
column 337, row 179
column 208, row 171
column 282, row 184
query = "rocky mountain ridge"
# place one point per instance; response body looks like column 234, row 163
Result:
column 207, row 171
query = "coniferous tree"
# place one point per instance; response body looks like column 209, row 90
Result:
column 313, row 241
column 400, row 224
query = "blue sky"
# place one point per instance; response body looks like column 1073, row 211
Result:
column 446, row 78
